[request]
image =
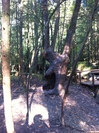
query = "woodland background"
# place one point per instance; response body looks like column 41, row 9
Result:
column 29, row 27
column 27, row 33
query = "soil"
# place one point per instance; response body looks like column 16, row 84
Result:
column 81, row 110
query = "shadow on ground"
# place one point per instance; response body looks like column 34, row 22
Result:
column 81, row 111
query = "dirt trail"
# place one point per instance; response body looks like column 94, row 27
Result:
column 81, row 110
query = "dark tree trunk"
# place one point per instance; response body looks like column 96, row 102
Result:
column 57, row 70
column 76, row 61
column 45, row 28
column 56, row 27
column 21, row 50
column 58, row 63
column 45, row 24
column 72, row 27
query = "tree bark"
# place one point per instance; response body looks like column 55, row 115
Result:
column 76, row 61
column 58, row 63
column 21, row 49
column 58, row 66
column 45, row 24
column 6, row 65
column 72, row 27
column 56, row 27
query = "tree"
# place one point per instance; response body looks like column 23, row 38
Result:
column 45, row 24
column 6, row 65
column 56, row 27
column 72, row 27
column 58, row 63
column 79, row 54
column 21, row 68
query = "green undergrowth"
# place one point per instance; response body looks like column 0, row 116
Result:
column 86, row 66
column 34, row 75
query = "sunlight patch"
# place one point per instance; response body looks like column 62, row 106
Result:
column 19, row 108
column 83, row 125
column 1, row 106
column 70, row 102
column 38, row 112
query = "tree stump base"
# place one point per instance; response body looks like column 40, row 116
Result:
column 56, row 73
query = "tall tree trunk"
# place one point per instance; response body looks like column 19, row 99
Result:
column 60, row 47
column 56, row 27
column 21, row 46
column 76, row 61
column 58, row 63
column 21, row 66
column 45, row 28
column 6, row 65
column 17, row 37
column 72, row 27
column 45, row 24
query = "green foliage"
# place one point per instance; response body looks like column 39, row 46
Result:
column 38, row 76
column 83, row 66
column 32, row 31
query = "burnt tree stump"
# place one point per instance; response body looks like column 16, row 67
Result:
column 56, row 71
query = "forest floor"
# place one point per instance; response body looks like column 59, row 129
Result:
column 81, row 110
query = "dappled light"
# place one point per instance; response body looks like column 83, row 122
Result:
column 38, row 109
column 83, row 125
column 19, row 108
column 81, row 111
column 70, row 103
column 1, row 106
column 49, row 70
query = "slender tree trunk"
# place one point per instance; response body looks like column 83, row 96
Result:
column 21, row 66
column 72, row 28
column 58, row 63
column 17, row 39
column 56, row 27
column 76, row 61
column 45, row 28
column 6, row 65
column 45, row 24
column 36, row 25
column 60, row 47
column 21, row 47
